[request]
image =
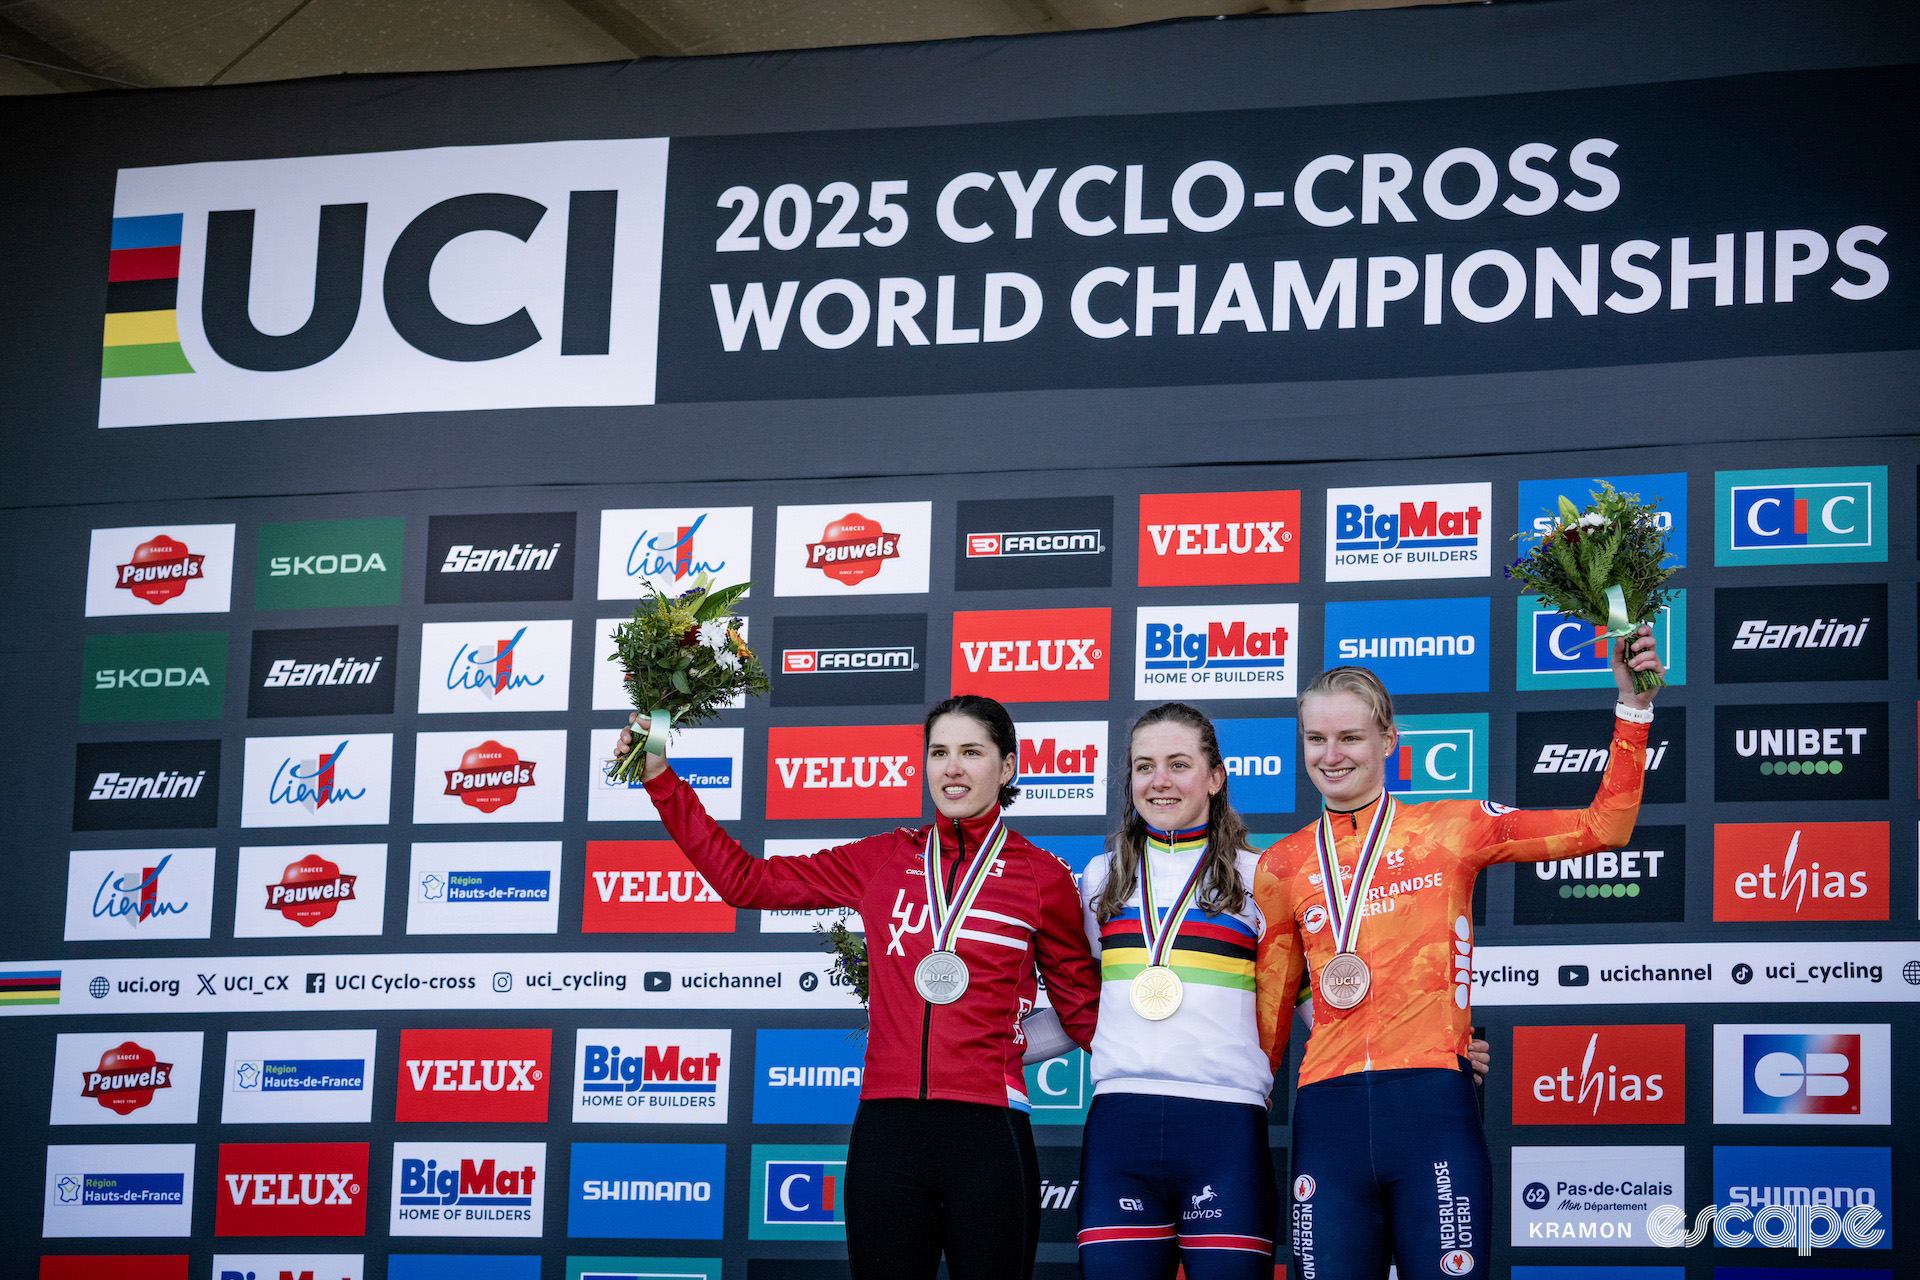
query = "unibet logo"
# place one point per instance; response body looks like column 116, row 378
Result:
column 1644, row 882
column 128, row 1076
column 1806, row 751
column 180, row 675
column 1811, row 515
column 329, row 564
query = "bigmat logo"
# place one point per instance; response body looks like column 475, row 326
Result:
column 867, row 548
column 652, row 1190
column 291, row 1189
column 806, row 920
column 1553, row 651
column 634, row 1076
column 1646, row 882
column 139, row 895
column 469, row 1189
column 1416, row 646
column 328, row 286
column 1219, row 539
column 288, row 1266
column 1216, row 651
column 329, row 564
column 1539, row 507
column 495, row 666
column 711, row 761
column 1559, row 757
column 484, row 887
column 298, row 1077
column 311, row 891
column 1842, row 1178
column 472, row 1076
column 1439, row 757
column 671, row 548
column 498, row 559
column 648, row 886
column 1800, row 751
column 864, row 659
column 807, row 1077
column 1063, row 767
column 1600, row 1075
column 321, row 780
column 1800, row 870
column 1010, row 543
column 844, row 771
column 1592, row 1197
column 1259, row 755
column 178, row 675
column 122, row 1189
column 330, row 671
column 490, row 776
column 1033, row 655
column 1409, row 531
column 798, row 1193
column 1835, row 631
column 149, row 1077
column 146, row 570
column 142, row 786
column 1803, row 1074
column 1808, row 515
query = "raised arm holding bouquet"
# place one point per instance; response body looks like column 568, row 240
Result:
column 684, row 660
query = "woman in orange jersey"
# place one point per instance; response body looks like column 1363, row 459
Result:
column 1376, row 900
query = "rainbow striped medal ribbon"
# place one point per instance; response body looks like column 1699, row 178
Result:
column 1345, row 979
column 941, row 977
column 1156, row 991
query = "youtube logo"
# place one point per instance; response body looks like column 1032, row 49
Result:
column 462, row 1074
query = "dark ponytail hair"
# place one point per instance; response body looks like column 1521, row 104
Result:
column 993, row 718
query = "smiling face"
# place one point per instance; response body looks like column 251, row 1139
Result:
column 965, row 770
column 1345, row 747
column 1171, row 779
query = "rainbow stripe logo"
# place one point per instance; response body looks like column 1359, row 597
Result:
column 30, row 986
column 143, row 281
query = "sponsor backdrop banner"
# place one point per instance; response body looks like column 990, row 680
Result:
column 1087, row 371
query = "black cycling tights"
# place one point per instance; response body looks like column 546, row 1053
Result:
column 933, row 1177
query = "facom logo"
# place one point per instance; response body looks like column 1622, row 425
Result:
column 1833, row 631
column 1800, row 751
column 670, row 548
column 1439, row 757
column 711, row 761
column 1644, row 882
column 139, row 895
column 648, row 886
column 303, row 1077
column 120, row 1189
column 1800, row 870
column 1826, row 1074
column 807, row 1077
column 329, row 564
column 635, row 1076
column 633, row 1190
column 1751, row 1179
column 113, row 1078
column 1033, row 655
column 1600, row 1075
column 503, row 886
column 337, row 890
column 495, row 666
column 180, row 675
column 844, row 771
column 1219, row 539
column 798, row 1193
column 148, row 569
column 291, row 1189
column 872, row 548
column 1063, row 767
column 323, row 780
column 468, row 1188
column 497, row 777
column 1015, row 543
column 474, row 1076
column 1409, row 531
column 1557, row 652
column 870, row 659
column 130, row 786
column 1220, row 651
column 1259, row 756
column 1808, row 515
column 1539, row 506
column 1415, row 646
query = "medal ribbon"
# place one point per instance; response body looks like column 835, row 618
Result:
column 947, row 916
column 1161, row 930
column 1344, row 903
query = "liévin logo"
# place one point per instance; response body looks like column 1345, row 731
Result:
column 321, row 780
column 139, row 786
column 311, row 891
column 797, row 1193
column 324, row 671
column 1219, row 539
column 653, row 1190
column 150, row 1077
column 1802, row 1074
column 298, row 1077
column 474, row 1076
column 1800, row 751
column 651, row 1076
column 867, row 659
column 1014, row 543
column 1033, row 655
column 870, row 548
column 139, row 895
column 1216, row 651
column 1600, row 1075
column 1834, row 631
column 147, row 570
column 291, row 1189
column 490, row 777
column 495, row 666
column 1646, row 882
column 648, row 886
column 671, row 548
column 177, row 675
column 1800, row 870
column 496, row 559
column 484, row 887
column 844, row 771
column 1553, row 651
column 1559, row 757
column 711, row 761
column 1415, row 646
column 1409, row 531
column 329, row 564
column 468, row 1189
column 1806, row 515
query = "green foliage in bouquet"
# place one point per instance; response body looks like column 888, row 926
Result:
column 1614, row 546
column 682, row 657
column 849, row 955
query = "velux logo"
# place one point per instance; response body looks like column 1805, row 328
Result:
column 1219, row 539
column 1032, row 655
column 648, row 886
column 1800, row 871
column 472, row 1075
column 292, row 1189
column 844, row 771
column 1600, row 1075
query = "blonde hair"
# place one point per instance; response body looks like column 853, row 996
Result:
column 1359, row 682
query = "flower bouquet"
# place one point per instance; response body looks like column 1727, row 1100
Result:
column 1603, row 565
column 684, row 660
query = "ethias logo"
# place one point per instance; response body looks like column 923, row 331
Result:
column 1800, row 870
column 1600, row 1075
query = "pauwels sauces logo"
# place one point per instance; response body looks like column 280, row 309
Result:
column 866, row 659
column 139, row 786
column 495, row 666
column 146, row 570
column 329, row 564
column 844, row 771
column 468, row 1189
column 711, row 761
column 467, row 1075
column 1063, row 767
column 651, row 1190
column 1539, row 506
column 1803, row 1074
column 496, row 777
column 1800, row 870
column 328, row 671
column 1033, row 655
column 502, row 558
column 1807, row 515
column 648, row 886
column 1034, row 542
column 1439, row 757
column 671, row 548
column 634, row 1076
column 291, row 1189
column 1645, row 882
column 1553, row 651
column 122, row 1189
column 1219, row 539
column 178, row 675
column 1409, row 531
column 1600, row 1075
column 322, row 780
column 1835, row 631
column 1415, row 646
column 139, row 895
column 1800, row 751
column 1559, row 757
column 798, row 1193
column 298, row 1077
column 311, row 891
column 807, row 1077
column 278, row 315
column 1844, row 1180
column 1216, row 651
column 869, row 548
column 492, row 887
column 150, row 1077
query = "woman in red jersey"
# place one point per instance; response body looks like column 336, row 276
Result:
column 1376, row 899
column 957, row 914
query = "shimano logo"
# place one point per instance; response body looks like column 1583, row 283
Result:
column 1355, row 648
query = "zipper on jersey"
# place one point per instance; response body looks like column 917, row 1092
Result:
column 926, row 1019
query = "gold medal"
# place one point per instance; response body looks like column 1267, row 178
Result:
column 1155, row 992
column 1344, row 980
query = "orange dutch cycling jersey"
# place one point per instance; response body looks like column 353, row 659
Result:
column 1416, row 926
